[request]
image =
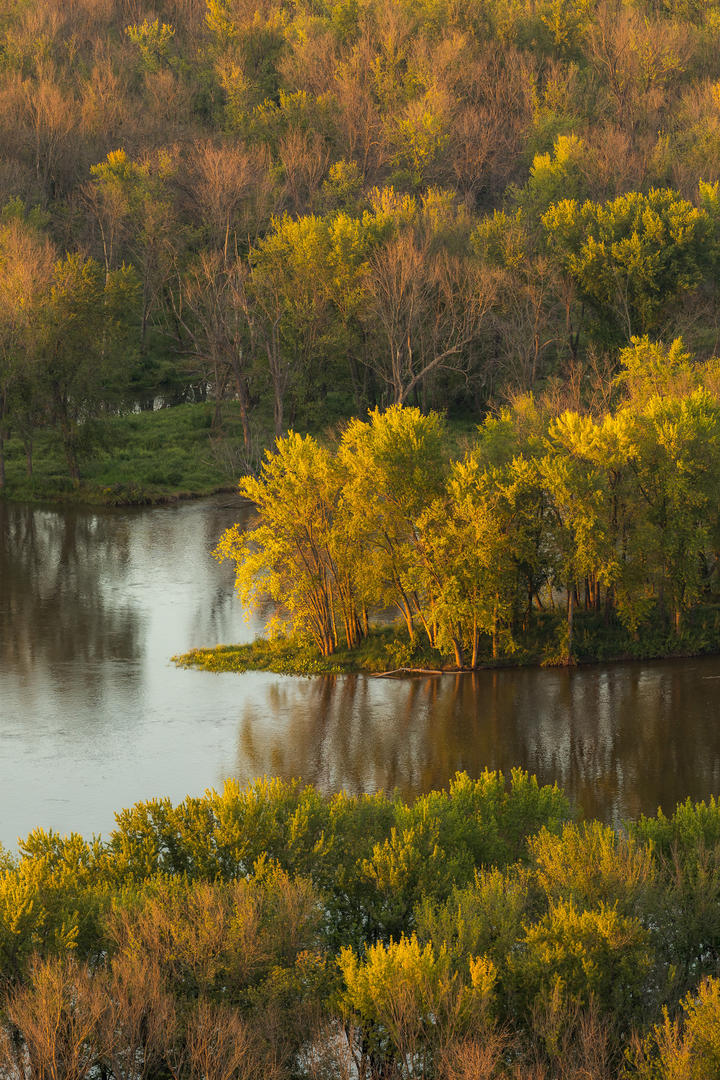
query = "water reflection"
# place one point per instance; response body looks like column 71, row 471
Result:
column 621, row 740
column 46, row 562
column 92, row 605
column 94, row 717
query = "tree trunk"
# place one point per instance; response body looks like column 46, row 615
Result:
column 71, row 458
column 475, row 646
column 570, row 618
column 242, row 393
column 495, row 630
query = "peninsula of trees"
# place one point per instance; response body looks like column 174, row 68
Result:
column 315, row 208
column 613, row 517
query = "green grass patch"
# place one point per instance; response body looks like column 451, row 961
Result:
column 384, row 649
column 140, row 458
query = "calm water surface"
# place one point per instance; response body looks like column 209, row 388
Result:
column 93, row 716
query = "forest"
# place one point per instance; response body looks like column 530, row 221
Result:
column 273, row 933
column 456, row 263
column 299, row 211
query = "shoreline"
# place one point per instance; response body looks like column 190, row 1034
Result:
column 115, row 498
column 283, row 657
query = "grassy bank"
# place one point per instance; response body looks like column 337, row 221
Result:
column 144, row 457
column 388, row 648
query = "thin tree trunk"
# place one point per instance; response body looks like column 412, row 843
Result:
column 475, row 645
column 495, row 630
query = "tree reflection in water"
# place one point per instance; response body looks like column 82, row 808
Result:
column 622, row 740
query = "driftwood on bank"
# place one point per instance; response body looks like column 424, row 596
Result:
column 411, row 671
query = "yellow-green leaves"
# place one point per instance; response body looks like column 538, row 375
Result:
column 411, row 999
column 634, row 256
column 290, row 556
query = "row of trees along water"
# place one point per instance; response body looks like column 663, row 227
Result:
column 315, row 208
column 616, row 513
column 274, row 933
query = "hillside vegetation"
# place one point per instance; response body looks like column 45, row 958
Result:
column 478, row 933
column 314, row 208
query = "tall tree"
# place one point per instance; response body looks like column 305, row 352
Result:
column 26, row 260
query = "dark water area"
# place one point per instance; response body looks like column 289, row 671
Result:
column 94, row 716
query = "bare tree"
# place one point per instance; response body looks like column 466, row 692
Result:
column 56, row 1018
column 26, row 261
column 429, row 306
column 140, row 1013
column 230, row 187
column 212, row 307
column 220, row 1046
column 51, row 115
column 305, row 158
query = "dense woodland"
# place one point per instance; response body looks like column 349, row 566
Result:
column 500, row 208
column 315, row 208
column 276, row 934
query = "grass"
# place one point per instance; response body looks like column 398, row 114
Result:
column 388, row 648
column 139, row 458
column 289, row 656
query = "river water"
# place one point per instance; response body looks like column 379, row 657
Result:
column 94, row 716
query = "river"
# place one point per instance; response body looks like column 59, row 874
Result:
column 94, row 716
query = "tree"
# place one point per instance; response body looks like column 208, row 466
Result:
column 480, row 546
column 428, row 299
column 633, row 258
column 576, row 482
column 295, row 555
column 676, row 462
column 26, row 259
column 213, row 312
column 393, row 464
column 135, row 215
column 232, row 192
column 303, row 300
column 85, row 346
column 58, row 1015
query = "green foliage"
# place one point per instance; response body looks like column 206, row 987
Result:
column 590, row 864
column 268, row 917
column 279, row 915
column 584, row 956
column 633, row 257
column 410, row 999
column 688, row 1047
column 616, row 511
column 153, row 40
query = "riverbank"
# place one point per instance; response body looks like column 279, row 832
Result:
column 388, row 650
column 142, row 459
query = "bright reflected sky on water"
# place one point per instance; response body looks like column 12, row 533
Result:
column 94, row 716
